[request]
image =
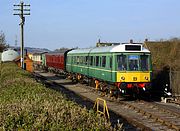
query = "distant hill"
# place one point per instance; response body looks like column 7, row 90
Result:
column 31, row 49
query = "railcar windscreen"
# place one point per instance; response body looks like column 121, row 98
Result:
column 133, row 62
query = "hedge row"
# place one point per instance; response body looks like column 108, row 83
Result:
column 28, row 105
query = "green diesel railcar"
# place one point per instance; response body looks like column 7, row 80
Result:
column 124, row 64
column 94, row 63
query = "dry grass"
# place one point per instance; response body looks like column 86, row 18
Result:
column 165, row 54
column 166, row 63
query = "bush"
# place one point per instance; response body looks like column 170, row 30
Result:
column 28, row 105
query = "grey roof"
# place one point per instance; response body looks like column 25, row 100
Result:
column 92, row 50
column 116, row 48
column 54, row 53
column 39, row 53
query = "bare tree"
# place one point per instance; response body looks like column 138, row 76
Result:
column 2, row 41
column 63, row 49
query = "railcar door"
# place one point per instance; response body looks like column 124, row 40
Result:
column 107, row 65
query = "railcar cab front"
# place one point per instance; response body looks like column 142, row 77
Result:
column 134, row 69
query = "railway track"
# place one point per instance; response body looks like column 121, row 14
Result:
column 155, row 115
column 141, row 114
column 177, row 102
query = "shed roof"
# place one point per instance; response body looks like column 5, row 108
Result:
column 26, row 58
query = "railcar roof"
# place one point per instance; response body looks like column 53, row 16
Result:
column 39, row 53
column 55, row 53
column 116, row 48
column 59, row 52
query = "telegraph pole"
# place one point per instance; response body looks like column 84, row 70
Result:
column 22, row 12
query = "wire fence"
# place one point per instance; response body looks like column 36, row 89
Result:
column 174, row 77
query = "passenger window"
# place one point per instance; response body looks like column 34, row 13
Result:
column 97, row 60
column 77, row 59
column 80, row 59
column 86, row 60
column 94, row 61
column 91, row 60
column 74, row 59
column 103, row 61
column 70, row 58
column 110, row 62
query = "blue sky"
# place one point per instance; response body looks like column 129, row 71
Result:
column 80, row 23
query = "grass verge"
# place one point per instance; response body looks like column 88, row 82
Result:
column 28, row 105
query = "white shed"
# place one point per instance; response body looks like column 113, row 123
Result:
column 9, row 55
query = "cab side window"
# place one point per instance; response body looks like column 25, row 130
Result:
column 121, row 62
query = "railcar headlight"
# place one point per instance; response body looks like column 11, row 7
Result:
column 144, row 89
column 122, row 78
column 146, row 78
column 123, row 91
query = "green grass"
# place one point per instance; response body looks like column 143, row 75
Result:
column 28, row 105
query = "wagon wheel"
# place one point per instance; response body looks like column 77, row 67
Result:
column 81, row 80
column 92, row 83
column 111, row 92
column 104, row 88
column 74, row 79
